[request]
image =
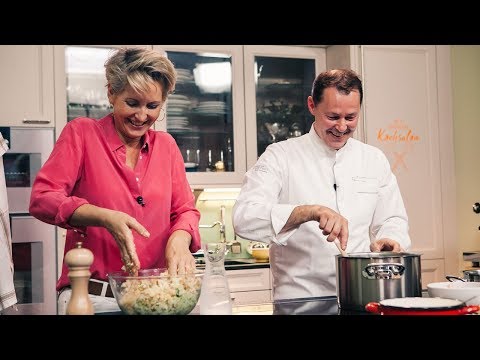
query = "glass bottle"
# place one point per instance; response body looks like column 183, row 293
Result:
column 229, row 155
column 210, row 165
column 215, row 296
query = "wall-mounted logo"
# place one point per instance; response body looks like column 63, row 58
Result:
column 397, row 140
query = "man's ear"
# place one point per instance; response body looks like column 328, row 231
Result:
column 311, row 105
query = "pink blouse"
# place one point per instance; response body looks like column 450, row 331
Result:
column 88, row 166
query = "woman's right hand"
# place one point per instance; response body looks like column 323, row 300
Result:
column 120, row 225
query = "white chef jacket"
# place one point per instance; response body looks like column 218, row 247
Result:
column 303, row 171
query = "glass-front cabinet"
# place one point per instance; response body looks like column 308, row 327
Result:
column 229, row 104
column 85, row 81
column 278, row 80
column 80, row 83
column 205, row 114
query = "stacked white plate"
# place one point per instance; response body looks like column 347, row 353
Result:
column 211, row 108
column 177, row 123
column 184, row 76
column 178, row 104
column 178, row 107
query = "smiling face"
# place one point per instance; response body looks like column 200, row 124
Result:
column 135, row 112
column 336, row 116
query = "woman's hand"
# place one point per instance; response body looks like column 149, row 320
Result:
column 120, row 225
column 179, row 258
column 385, row 244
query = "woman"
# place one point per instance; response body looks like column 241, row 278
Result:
column 119, row 187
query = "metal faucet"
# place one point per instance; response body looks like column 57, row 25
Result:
column 220, row 223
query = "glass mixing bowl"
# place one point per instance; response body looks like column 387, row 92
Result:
column 155, row 292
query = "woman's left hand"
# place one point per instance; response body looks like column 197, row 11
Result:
column 385, row 244
column 179, row 258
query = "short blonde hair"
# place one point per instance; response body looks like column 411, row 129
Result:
column 139, row 67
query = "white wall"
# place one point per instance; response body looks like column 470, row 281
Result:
column 466, row 115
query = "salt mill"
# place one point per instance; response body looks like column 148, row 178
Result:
column 79, row 260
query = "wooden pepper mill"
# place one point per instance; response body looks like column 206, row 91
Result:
column 79, row 260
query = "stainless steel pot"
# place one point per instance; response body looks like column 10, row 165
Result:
column 471, row 275
column 468, row 275
column 371, row 277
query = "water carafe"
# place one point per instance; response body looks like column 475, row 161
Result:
column 215, row 295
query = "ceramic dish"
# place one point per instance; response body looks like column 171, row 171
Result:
column 468, row 292
column 421, row 306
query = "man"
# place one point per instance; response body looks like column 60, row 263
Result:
column 324, row 185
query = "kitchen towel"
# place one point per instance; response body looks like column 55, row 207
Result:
column 7, row 290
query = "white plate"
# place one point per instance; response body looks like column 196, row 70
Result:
column 421, row 303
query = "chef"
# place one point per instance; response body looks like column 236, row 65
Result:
column 306, row 193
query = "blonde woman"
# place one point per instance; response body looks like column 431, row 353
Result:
column 118, row 186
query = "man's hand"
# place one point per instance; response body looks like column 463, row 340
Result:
column 329, row 221
column 385, row 244
column 332, row 224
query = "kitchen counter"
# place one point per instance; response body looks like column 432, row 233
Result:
column 326, row 305
column 237, row 264
column 305, row 306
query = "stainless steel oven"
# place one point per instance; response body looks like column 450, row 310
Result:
column 34, row 249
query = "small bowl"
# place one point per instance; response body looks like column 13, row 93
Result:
column 261, row 254
column 191, row 167
column 155, row 292
column 256, row 245
column 468, row 292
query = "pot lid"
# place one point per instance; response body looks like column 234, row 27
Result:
column 379, row 255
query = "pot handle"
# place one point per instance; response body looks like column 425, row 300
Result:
column 452, row 278
column 373, row 307
column 471, row 309
column 383, row 271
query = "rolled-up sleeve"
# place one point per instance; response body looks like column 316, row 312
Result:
column 50, row 200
